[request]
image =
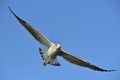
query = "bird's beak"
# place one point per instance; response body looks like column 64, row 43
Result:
column 59, row 46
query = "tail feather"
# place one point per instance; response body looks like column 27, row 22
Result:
column 55, row 62
column 42, row 53
column 47, row 59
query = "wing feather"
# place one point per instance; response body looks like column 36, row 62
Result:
column 33, row 31
column 81, row 62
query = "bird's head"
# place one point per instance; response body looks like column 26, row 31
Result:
column 58, row 46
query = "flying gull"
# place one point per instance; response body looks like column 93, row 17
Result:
column 54, row 50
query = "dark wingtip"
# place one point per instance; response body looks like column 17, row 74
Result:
column 107, row 70
column 13, row 12
column 19, row 19
column 101, row 69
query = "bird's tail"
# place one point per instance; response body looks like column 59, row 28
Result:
column 47, row 59
column 42, row 53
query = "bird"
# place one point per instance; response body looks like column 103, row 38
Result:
column 49, row 56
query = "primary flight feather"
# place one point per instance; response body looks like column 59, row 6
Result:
column 54, row 50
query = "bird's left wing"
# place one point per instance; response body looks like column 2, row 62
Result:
column 79, row 61
column 34, row 32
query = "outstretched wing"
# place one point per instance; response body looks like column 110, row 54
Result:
column 34, row 32
column 81, row 62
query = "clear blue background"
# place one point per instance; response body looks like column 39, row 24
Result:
column 87, row 28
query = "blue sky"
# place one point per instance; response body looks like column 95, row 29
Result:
column 87, row 28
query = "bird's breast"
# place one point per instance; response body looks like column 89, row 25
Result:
column 52, row 52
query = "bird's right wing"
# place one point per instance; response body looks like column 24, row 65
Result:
column 34, row 32
column 79, row 61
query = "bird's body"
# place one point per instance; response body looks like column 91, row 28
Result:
column 51, row 54
column 54, row 50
